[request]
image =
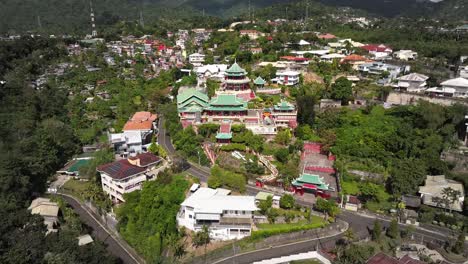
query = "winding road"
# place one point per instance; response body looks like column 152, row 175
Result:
column 359, row 223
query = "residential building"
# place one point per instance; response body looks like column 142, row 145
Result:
column 128, row 175
column 227, row 217
column 256, row 50
column 355, row 60
column 136, row 133
column 378, row 68
column 211, row 71
column 378, row 51
column 464, row 72
column 460, row 85
column 48, row 210
column 351, row 203
column 405, row 55
column 432, row 193
column 332, row 57
column 440, row 91
column 413, row 82
column 326, row 36
column 252, row 34
column 197, row 59
column 288, row 78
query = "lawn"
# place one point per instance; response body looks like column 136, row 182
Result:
column 301, row 225
column 76, row 187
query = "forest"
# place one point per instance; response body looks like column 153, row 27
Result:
column 36, row 139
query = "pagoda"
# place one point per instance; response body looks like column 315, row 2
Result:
column 236, row 82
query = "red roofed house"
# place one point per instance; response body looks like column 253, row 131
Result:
column 380, row 51
column 382, row 258
column 137, row 132
column 355, row 60
column 127, row 175
column 326, row 36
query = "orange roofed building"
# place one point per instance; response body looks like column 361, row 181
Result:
column 355, row 60
column 136, row 134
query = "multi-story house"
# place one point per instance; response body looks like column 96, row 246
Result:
column 413, row 82
column 197, row 59
column 128, row 175
column 227, row 217
column 288, row 78
column 136, row 133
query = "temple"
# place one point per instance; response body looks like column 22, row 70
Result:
column 236, row 82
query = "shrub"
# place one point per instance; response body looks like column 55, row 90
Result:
column 233, row 147
column 287, row 201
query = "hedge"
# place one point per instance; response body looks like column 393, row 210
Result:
column 233, row 147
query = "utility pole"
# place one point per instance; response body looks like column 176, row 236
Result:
column 93, row 24
column 39, row 24
column 250, row 12
column 142, row 21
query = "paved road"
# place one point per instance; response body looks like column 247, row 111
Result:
column 358, row 223
column 100, row 232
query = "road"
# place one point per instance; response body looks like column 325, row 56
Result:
column 360, row 224
column 113, row 246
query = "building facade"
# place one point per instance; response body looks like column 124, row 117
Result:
column 227, row 217
column 128, row 175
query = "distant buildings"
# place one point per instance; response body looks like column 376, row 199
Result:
column 128, row 175
column 136, row 133
column 252, row 34
column 378, row 51
column 405, row 55
column 196, row 59
column 227, row 217
column 382, row 258
column 288, row 78
column 459, row 86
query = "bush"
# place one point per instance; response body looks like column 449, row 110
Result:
column 224, row 178
column 233, row 147
column 287, row 201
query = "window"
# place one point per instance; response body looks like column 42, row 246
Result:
column 190, row 216
column 243, row 212
column 237, row 212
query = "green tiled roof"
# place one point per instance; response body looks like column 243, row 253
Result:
column 194, row 101
column 189, row 93
column 262, row 196
column 235, row 70
column 224, row 136
column 310, row 179
column 259, row 81
column 283, row 105
column 227, row 99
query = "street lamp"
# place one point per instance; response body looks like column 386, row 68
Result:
column 198, row 152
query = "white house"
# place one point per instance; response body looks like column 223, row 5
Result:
column 464, row 72
column 197, row 59
column 135, row 134
column 433, row 190
column 288, row 78
column 405, row 55
column 331, row 57
column 128, row 175
column 227, row 217
column 459, row 84
column 413, row 82
column 48, row 210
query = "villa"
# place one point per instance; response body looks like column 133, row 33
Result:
column 227, row 217
column 128, row 175
column 413, row 82
column 288, row 78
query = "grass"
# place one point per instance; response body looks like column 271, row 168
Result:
column 76, row 187
column 315, row 223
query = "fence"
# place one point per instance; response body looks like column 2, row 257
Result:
column 244, row 246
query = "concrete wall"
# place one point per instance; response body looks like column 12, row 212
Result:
column 398, row 98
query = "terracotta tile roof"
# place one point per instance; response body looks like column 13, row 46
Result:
column 140, row 121
column 354, row 57
column 326, row 36
column 376, row 48
column 128, row 167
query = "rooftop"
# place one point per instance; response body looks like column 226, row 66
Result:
column 207, row 200
column 129, row 167
column 140, row 121
column 415, row 77
column 259, row 81
column 457, row 82
column 235, row 69
column 44, row 207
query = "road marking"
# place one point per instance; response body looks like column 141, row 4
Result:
column 99, row 223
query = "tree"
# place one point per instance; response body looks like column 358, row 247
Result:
column 342, row 90
column 377, row 231
column 202, row 238
column 459, row 247
column 349, row 236
column 283, row 137
column 393, row 230
column 265, row 205
column 272, row 214
column 449, row 197
column 282, row 155
column 328, row 207
column 287, row 201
